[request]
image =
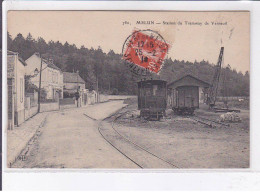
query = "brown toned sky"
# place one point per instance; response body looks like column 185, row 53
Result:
column 106, row 29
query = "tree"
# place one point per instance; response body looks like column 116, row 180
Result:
column 18, row 45
column 108, row 71
column 9, row 41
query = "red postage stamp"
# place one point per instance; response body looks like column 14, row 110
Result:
column 146, row 49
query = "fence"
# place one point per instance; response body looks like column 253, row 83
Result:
column 30, row 111
column 222, row 98
column 33, row 99
column 49, row 106
column 67, row 103
column 119, row 97
column 103, row 98
column 86, row 98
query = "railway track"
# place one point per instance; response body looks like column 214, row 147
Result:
column 208, row 122
column 139, row 155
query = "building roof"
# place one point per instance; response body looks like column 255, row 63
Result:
column 22, row 61
column 69, row 77
column 16, row 53
column 49, row 63
column 188, row 80
column 11, row 53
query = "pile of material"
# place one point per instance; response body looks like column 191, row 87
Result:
column 230, row 117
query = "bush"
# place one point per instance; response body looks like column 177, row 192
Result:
column 115, row 91
column 43, row 94
column 68, row 95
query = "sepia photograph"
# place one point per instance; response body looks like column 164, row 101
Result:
column 128, row 90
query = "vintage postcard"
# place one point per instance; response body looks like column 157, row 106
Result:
column 128, row 89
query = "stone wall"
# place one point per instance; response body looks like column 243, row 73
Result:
column 30, row 112
column 45, row 107
column 103, row 98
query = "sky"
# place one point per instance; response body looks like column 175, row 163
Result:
column 193, row 40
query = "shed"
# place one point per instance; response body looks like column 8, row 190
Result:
column 186, row 87
column 188, row 80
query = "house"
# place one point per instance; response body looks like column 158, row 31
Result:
column 16, row 89
column 72, row 82
column 51, row 76
column 192, row 86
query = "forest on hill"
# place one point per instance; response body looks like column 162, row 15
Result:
column 109, row 72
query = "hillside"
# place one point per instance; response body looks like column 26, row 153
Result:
column 112, row 75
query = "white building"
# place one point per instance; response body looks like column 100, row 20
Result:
column 16, row 95
column 51, row 76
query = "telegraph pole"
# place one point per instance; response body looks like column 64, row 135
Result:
column 97, row 89
column 97, row 80
column 78, row 87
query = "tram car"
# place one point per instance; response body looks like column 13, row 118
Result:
column 152, row 99
column 186, row 93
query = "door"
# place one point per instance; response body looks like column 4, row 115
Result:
column 181, row 97
column 189, row 101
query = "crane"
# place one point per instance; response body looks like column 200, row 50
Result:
column 214, row 89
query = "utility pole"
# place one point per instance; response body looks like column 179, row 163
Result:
column 97, row 89
column 97, row 81
column 39, row 92
column 109, row 86
column 78, row 88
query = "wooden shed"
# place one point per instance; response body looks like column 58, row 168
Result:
column 185, row 93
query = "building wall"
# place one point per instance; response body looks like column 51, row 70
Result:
column 201, row 95
column 73, row 86
column 20, row 86
column 51, row 80
column 19, row 93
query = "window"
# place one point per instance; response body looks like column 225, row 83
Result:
column 56, row 76
column 147, row 90
column 155, row 89
column 159, row 90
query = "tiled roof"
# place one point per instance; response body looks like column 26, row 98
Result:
column 69, row 77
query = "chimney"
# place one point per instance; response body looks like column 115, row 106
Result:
column 50, row 61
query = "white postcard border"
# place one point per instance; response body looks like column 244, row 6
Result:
column 78, row 179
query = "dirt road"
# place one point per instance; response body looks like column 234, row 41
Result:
column 71, row 140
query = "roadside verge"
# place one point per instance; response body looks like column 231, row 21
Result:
column 20, row 137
